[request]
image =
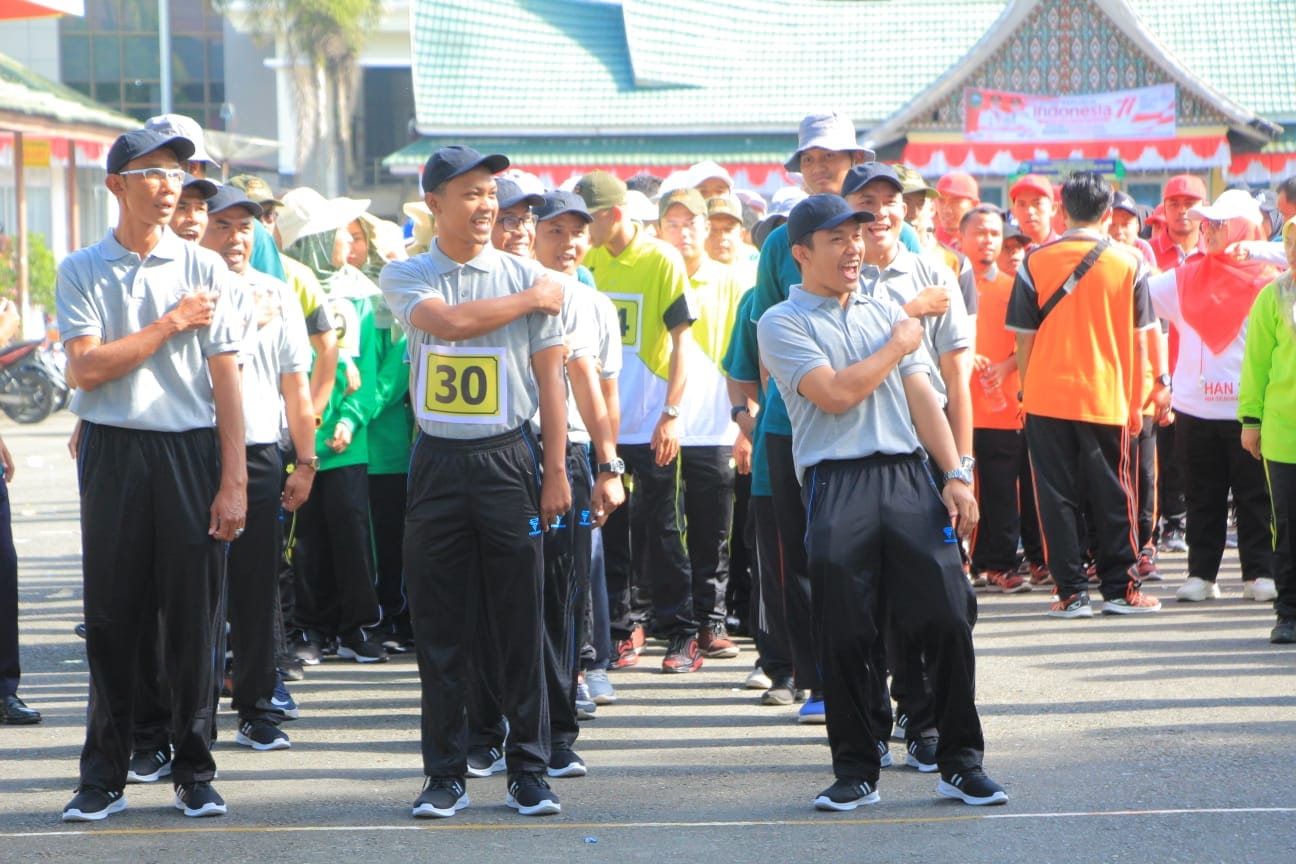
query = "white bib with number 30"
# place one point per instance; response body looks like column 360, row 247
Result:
column 462, row 385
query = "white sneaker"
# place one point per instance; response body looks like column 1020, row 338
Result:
column 1196, row 589
column 758, row 680
column 1262, row 589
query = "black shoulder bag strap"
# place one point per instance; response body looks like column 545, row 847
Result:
column 1079, row 273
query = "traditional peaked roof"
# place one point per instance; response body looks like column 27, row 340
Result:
column 33, row 104
column 1094, row 29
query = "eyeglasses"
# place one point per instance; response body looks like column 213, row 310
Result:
column 513, row 223
column 156, row 176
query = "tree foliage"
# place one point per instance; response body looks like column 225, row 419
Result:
column 41, row 270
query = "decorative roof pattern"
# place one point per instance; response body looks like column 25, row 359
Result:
column 24, row 95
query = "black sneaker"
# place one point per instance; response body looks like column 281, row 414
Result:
column 148, row 766
column 262, row 735
column 563, row 762
column 782, row 693
column 441, row 798
column 900, row 727
column 91, row 804
column 1284, row 632
column 485, row 761
column 922, row 753
column 199, row 799
column 683, row 655
column 292, row 669
column 884, row 755
column 359, row 647
column 530, row 795
column 847, row 795
column 307, row 646
column 972, row 787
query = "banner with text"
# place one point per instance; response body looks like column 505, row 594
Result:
column 1000, row 117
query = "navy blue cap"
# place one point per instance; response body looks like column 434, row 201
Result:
column 1124, row 201
column 557, row 202
column 510, row 194
column 862, row 175
column 228, row 196
column 1013, row 231
column 821, row 213
column 449, row 162
column 142, row 142
column 201, row 185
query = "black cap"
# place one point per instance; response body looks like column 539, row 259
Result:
column 201, row 185
column 861, row 175
column 1013, row 231
column 449, row 162
column 142, row 142
column 228, row 196
column 557, row 202
column 820, row 213
column 1123, row 201
column 510, row 194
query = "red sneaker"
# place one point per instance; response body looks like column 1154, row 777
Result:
column 1147, row 569
column 1134, row 601
column 684, row 655
column 714, row 641
column 1040, row 575
column 1007, row 581
column 623, row 654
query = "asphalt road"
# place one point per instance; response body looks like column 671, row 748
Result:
column 1159, row 738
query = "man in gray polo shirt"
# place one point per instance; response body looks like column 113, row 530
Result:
column 277, row 360
column 152, row 341
column 486, row 350
column 862, row 410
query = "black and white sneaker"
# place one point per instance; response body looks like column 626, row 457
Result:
column 283, row 702
column 922, row 753
column 441, row 798
column 262, row 735
column 530, row 795
column 485, row 761
column 359, row 647
column 884, row 755
column 148, row 766
column 847, row 795
column 563, row 762
column 901, row 724
column 199, row 799
column 972, row 787
column 92, row 804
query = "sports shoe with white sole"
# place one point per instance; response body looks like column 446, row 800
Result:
column 1134, row 602
column 262, row 735
column 530, row 795
column 972, row 787
column 441, row 798
column 92, row 804
column 1195, row 589
column 922, row 753
column 148, row 766
column 600, row 689
column 485, row 761
column 563, row 762
column 1263, row 590
column 845, row 795
column 199, row 799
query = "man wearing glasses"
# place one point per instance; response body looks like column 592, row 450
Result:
column 152, row 340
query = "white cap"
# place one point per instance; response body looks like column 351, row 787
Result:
column 704, row 171
column 783, row 200
column 306, row 212
column 185, row 127
column 1231, row 204
column 639, row 208
column 674, row 180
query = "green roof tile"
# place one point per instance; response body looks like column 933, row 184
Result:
column 25, row 93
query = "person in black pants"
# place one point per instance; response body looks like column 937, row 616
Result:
column 879, row 540
column 13, row 711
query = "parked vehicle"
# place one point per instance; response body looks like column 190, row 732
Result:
column 28, row 392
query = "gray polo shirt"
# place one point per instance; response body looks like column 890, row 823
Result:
column 807, row 331
column 281, row 347
column 902, row 280
column 593, row 330
column 105, row 290
column 482, row 386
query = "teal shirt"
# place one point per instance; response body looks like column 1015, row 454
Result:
column 265, row 254
column 742, row 363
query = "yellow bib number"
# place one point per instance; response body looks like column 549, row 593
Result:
column 462, row 387
column 628, row 308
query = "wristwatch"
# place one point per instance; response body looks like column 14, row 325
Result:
column 736, row 410
column 959, row 473
column 616, row 466
column 1164, row 380
column 968, row 462
column 312, row 463
column 671, row 410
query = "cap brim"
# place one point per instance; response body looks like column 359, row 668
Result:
column 583, row 214
column 202, row 185
column 794, row 164
column 530, row 199
column 178, row 144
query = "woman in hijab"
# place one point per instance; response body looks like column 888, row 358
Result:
column 1208, row 299
column 1267, row 409
column 335, row 597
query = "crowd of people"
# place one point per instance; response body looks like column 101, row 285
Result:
column 530, row 429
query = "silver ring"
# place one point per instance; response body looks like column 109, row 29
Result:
column 238, row 532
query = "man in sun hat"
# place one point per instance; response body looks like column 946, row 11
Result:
column 486, row 350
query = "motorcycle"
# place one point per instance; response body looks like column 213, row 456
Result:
column 28, row 392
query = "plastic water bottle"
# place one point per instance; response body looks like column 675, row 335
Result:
column 995, row 399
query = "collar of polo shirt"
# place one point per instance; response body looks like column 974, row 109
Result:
column 169, row 247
